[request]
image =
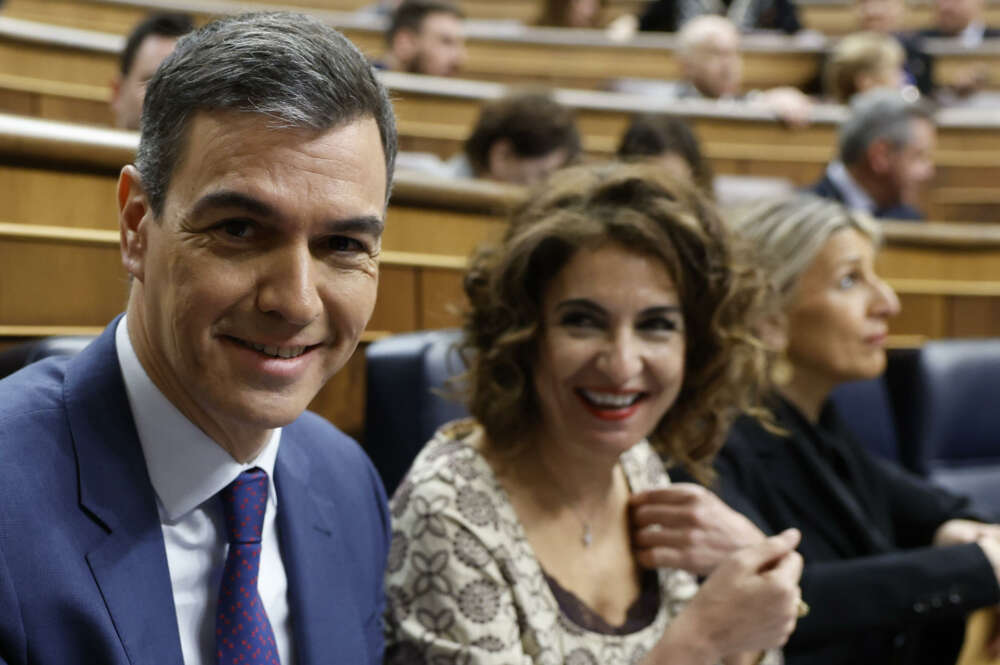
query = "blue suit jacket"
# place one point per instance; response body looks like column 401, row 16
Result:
column 83, row 568
column 900, row 212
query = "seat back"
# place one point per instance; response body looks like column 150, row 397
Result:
column 955, row 419
column 876, row 411
column 18, row 356
column 404, row 406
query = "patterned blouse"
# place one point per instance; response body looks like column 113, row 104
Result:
column 463, row 584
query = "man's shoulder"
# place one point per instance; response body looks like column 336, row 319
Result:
column 32, row 396
column 320, row 450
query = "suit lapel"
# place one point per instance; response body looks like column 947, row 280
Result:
column 129, row 565
column 320, row 594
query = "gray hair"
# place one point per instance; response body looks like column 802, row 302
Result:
column 288, row 67
column 877, row 115
column 788, row 232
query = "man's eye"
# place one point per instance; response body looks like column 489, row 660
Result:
column 237, row 228
column 346, row 244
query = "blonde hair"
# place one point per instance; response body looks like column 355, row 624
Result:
column 788, row 232
column 855, row 55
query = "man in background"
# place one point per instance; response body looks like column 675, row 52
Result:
column 425, row 37
column 961, row 20
column 149, row 43
column 885, row 156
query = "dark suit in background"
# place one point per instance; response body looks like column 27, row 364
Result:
column 878, row 593
column 825, row 188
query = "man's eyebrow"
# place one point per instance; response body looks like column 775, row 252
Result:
column 230, row 199
column 369, row 224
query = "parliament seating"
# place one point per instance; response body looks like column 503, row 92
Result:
column 514, row 53
column 436, row 115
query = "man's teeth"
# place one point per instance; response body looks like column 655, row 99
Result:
column 611, row 400
column 276, row 351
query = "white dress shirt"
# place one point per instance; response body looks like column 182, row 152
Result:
column 187, row 470
column 855, row 198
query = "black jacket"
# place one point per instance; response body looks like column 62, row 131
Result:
column 878, row 592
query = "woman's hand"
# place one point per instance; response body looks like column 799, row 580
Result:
column 750, row 603
column 688, row 527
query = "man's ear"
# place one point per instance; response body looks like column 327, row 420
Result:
column 498, row 159
column 135, row 214
column 879, row 156
column 404, row 46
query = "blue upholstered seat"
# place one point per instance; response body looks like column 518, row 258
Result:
column 404, row 405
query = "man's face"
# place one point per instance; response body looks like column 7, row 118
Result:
column 953, row 16
column 883, row 16
column 911, row 165
column 438, row 49
column 715, row 66
column 254, row 285
column 127, row 92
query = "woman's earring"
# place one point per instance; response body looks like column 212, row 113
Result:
column 781, row 371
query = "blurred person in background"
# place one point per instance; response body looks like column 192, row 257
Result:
column 887, row 17
column 149, row 44
column 893, row 564
column 863, row 61
column 571, row 13
column 885, row 156
column 425, row 37
column 669, row 143
column 962, row 21
column 520, row 139
column 747, row 15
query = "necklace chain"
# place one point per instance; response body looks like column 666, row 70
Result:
column 587, row 535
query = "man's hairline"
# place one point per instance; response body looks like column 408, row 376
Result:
column 182, row 153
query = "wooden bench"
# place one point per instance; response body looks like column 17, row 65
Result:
column 510, row 53
column 947, row 274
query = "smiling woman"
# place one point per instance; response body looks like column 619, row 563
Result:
column 609, row 325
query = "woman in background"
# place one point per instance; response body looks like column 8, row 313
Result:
column 669, row 143
column 892, row 564
column 609, row 327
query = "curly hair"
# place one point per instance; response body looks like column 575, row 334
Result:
column 636, row 206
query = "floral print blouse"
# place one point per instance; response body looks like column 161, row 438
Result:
column 463, row 585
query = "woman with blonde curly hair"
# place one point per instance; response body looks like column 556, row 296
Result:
column 609, row 327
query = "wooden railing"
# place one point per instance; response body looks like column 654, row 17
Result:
column 511, row 52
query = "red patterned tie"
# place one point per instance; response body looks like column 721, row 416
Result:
column 243, row 634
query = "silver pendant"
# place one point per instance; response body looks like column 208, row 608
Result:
column 588, row 537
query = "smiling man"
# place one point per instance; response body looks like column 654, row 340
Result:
column 166, row 498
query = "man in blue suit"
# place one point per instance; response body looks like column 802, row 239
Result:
column 885, row 156
column 165, row 498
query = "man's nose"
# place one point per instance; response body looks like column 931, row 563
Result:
column 287, row 285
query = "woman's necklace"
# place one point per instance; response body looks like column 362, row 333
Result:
column 586, row 522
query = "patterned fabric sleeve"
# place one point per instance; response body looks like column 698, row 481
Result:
column 450, row 597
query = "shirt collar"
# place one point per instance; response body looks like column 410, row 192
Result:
column 973, row 34
column 854, row 197
column 185, row 465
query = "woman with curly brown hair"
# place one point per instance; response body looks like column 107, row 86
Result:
column 611, row 326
